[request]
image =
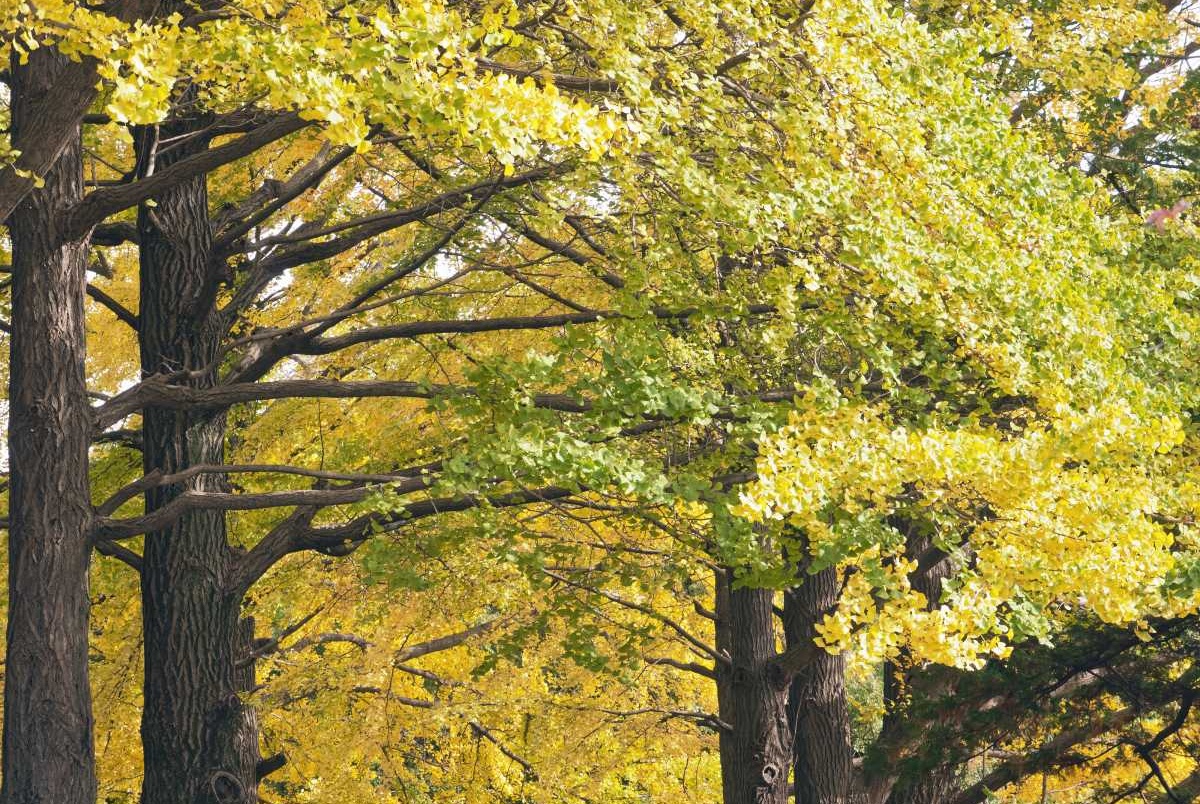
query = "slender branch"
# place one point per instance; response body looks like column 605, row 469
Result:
column 109, row 529
column 442, row 643
column 642, row 609
column 156, row 479
column 155, row 393
column 362, row 229
column 266, row 647
column 119, row 310
column 478, row 728
column 280, row 194
column 297, row 534
column 121, row 553
column 255, row 365
column 691, row 667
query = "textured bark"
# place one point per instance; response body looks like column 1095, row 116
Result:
column 199, row 739
column 752, row 698
column 938, row 786
column 48, row 752
column 49, row 130
column 822, row 753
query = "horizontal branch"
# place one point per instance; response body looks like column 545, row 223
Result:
column 114, row 234
column 155, row 393
column 691, row 667
column 109, row 529
column 156, row 478
column 570, row 83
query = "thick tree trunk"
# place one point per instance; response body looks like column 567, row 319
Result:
column 48, row 752
column 199, row 739
column 817, row 711
column 751, row 697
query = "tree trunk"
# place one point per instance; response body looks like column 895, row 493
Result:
column 822, row 752
column 199, row 739
column 937, row 786
column 751, row 698
column 48, row 751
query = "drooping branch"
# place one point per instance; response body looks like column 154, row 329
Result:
column 121, row 553
column 481, row 731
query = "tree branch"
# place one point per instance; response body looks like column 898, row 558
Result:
column 99, row 204
column 695, row 643
column 118, row 309
column 444, row 642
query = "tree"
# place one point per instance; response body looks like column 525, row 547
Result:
column 867, row 249
column 201, row 759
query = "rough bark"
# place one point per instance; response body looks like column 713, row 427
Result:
column 199, row 738
column 822, row 753
column 751, row 698
column 48, row 751
column 938, row 786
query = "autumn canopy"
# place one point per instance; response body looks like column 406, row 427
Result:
column 538, row 401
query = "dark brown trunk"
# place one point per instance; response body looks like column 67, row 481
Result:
column 199, row 739
column 48, row 752
column 751, row 698
column 822, row 753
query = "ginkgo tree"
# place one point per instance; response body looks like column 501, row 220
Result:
column 197, row 278
column 139, row 63
column 633, row 258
